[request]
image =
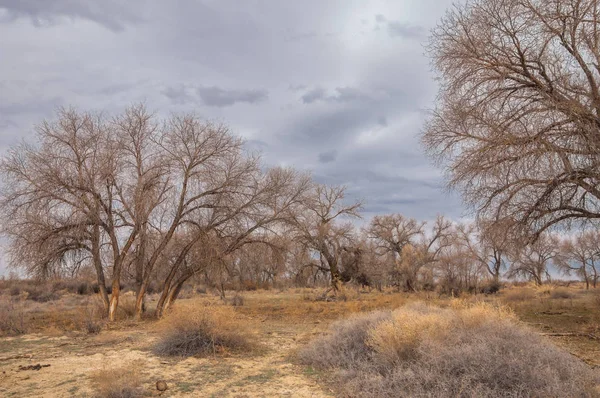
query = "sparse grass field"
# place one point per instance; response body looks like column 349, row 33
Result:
column 266, row 333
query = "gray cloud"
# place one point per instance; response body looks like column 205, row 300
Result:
column 111, row 14
column 328, row 157
column 218, row 97
column 342, row 94
column 178, row 95
column 401, row 29
column 313, row 95
column 382, row 121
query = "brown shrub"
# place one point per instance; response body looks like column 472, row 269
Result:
column 118, row 383
column 201, row 330
column 561, row 293
column 468, row 351
column 237, row 300
column 91, row 317
column 126, row 306
column 519, row 294
column 12, row 318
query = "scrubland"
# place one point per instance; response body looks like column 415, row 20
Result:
column 523, row 341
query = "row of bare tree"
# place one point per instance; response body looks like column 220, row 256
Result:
column 161, row 202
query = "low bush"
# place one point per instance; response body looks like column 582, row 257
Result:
column 465, row 351
column 92, row 317
column 196, row 331
column 12, row 318
column 41, row 294
column 492, row 287
column 516, row 295
column 126, row 306
column 118, row 383
column 237, row 300
column 561, row 293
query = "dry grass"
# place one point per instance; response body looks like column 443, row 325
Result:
column 118, row 383
column 196, row 330
column 475, row 350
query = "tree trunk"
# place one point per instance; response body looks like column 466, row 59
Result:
column 97, row 259
column 139, row 300
column 169, row 295
column 116, row 290
column 114, row 301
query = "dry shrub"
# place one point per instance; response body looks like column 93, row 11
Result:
column 519, row 294
column 118, row 383
column 237, row 300
column 127, row 306
column 561, row 293
column 475, row 350
column 12, row 318
column 200, row 330
column 91, row 317
column 41, row 293
column 345, row 347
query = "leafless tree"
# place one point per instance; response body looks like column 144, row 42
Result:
column 392, row 232
column 319, row 228
column 531, row 260
column 518, row 120
column 581, row 254
column 254, row 208
column 487, row 243
column 59, row 199
column 417, row 259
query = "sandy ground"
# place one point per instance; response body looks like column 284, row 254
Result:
column 74, row 358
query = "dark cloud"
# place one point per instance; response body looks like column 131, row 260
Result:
column 218, row 97
column 179, row 95
column 328, row 157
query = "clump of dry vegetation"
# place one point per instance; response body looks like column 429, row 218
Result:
column 237, row 300
column 475, row 350
column 122, row 382
column 201, row 330
column 12, row 318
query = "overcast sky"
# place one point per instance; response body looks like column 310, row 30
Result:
column 340, row 88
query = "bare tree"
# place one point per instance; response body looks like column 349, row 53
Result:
column 256, row 206
column 487, row 243
column 392, row 232
column 58, row 199
column 518, row 120
column 319, row 229
column 531, row 260
column 581, row 254
column 418, row 258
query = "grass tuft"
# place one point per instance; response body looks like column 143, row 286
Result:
column 118, row 383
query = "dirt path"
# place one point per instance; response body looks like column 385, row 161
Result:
column 73, row 359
